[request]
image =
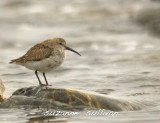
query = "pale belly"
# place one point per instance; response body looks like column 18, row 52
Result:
column 45, row 65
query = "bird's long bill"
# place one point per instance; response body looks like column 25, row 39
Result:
column 67, row 48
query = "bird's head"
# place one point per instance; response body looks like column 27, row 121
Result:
column 61, row 43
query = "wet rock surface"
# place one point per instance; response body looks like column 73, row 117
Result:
column 2, row 88
column 55, row 98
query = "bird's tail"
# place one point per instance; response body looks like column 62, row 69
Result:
column 12, row 61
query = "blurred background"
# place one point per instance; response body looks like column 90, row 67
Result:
column 119, row 41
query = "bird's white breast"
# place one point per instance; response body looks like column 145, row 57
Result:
column 46, row 64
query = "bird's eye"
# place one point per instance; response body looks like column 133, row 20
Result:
column 60, row 43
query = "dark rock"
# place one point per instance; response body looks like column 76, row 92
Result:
column 54, row 98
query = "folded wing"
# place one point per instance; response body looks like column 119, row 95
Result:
column 36, row 53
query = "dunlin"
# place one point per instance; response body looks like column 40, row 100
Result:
column 44, row 56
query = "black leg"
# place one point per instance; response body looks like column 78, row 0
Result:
column 38, row 77
column 45, row 78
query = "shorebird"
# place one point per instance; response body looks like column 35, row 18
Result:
column 44, row 56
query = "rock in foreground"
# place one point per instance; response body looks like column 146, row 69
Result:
column 1, row 91
column 53, row 98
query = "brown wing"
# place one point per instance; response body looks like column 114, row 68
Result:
column 36, row 53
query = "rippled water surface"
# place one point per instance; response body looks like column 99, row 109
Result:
column 119, row 58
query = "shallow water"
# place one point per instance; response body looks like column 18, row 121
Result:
column 119, row 57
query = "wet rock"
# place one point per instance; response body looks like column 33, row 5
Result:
column 2, row 88
column 55, row 98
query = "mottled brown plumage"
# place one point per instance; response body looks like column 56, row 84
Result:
column 36, row 53
column 44, row 56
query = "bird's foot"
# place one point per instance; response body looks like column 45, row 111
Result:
column 42, row 84
column 45, row 85
column 48, row 85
